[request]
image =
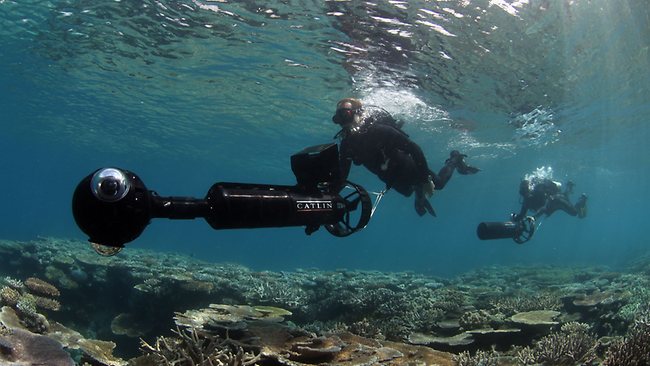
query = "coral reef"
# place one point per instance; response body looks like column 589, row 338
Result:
column 634, row 349
column 480, row 358
column 27, row 297
column 572, row 345
column 40, row 287
column 21, row 347
column 244, row 335
column 191, row 348
column 491, row 316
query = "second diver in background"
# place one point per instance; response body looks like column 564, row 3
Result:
column 543, row 196
column 540, row 195
column 371, row 137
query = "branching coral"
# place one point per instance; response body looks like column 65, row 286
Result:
column 475, row 319
column 364, row 328
column 46, row 303
column 397, row 314
column 9, row 296
column 571, row 345
column 480, row 358
column 13, row 283
column 509, row 305
column 274, row 292
column 634, row 349
column 39, row 287
column 189, row 347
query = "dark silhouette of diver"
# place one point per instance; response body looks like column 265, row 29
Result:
column 544, row 196
column 371, row 137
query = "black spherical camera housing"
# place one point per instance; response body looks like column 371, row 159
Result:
column 112, row 206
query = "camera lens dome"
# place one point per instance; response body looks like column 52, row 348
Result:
column 110, row 185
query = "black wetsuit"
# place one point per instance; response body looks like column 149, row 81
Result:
column 383, row 148
column 544, row 198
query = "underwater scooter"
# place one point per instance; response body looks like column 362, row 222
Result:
column 520, row 231
column 113, row 206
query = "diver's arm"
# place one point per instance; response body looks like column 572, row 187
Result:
column 345, row 163
column 523, row 211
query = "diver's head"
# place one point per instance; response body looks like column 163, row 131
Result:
column 346, row 111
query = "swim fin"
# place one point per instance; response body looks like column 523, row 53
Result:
column 422, row 206
column 465, row 169
column 457, row 160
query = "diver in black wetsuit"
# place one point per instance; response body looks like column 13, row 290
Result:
column 371, row 137
column 544, row 196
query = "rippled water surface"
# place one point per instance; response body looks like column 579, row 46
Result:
column 188, row 93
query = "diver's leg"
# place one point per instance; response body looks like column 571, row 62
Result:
column 443, row 176
column 581, row 206
column 561, row 203
column 456, row 161
column 405, row 177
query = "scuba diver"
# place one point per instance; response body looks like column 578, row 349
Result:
column 371, row 137
column 541, row 196
column 544, row 196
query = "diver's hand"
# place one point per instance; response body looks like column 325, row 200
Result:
column 428, row 187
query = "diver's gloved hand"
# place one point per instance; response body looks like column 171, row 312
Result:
column 457, row 160
column 428, row 187
column 422, row 205
column 569, row 187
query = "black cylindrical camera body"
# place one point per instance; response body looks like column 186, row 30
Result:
column 498, row 230
column 241, row 205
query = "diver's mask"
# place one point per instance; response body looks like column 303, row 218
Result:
column 344, row 116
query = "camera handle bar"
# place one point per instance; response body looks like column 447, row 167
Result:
column 113, row 206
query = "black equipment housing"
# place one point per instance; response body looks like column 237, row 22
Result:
column 113, row 206
column 520, row 231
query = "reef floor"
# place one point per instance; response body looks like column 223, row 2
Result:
column 65, row 304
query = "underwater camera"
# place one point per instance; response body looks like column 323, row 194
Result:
column 520, row 231
column 113, row 206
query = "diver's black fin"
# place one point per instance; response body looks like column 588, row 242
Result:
column 422, row 206
column 465, row 169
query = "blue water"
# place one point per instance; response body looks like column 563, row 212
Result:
column 189, row 93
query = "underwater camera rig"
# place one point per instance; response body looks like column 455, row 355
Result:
column 113, row 206
column 520, row 231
